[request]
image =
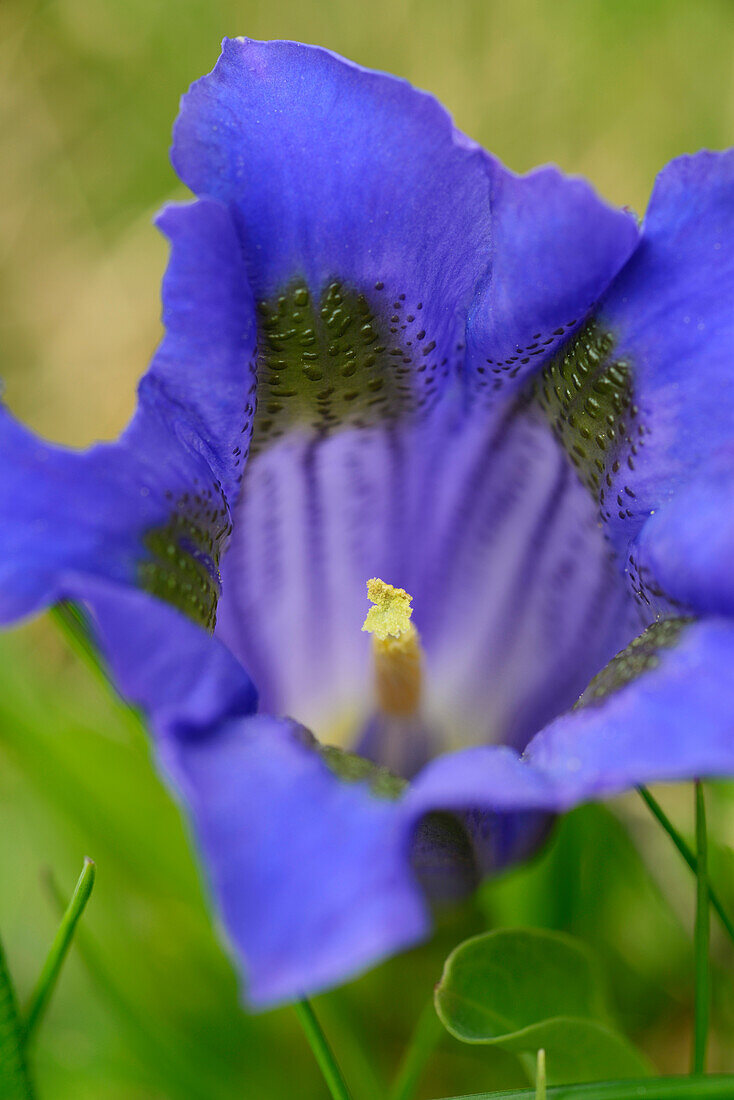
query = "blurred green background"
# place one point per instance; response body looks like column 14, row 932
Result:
column 147, row 1008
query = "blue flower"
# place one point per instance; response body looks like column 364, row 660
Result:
column 388, row 359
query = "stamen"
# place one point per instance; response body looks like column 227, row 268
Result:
column 396, row 649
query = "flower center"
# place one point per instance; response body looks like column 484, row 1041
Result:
column 396, row 649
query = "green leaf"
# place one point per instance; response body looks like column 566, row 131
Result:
column 526, row 989
column 658, row 1088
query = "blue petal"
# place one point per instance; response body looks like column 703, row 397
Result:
column 494, row 779
column 310, row 873
column 336, row 173
column 66, row 516
column 151, row 510
column 313, row 875
column 184, row 680
column 343, row 177
column 555, row 248
column 673, row 722
column 201, row 382
column 316, row 878
column 687, row 546
column 672, row 324
column 666, row 717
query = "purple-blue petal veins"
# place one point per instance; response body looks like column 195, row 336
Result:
column 386, row 356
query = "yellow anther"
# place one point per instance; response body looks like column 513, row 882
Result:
column 390, row 615
column 396, row 649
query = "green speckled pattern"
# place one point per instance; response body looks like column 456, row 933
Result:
column 182, row 566
column 587, row 395
column 641, row 656
column 340, row 361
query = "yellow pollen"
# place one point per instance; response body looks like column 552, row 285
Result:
column 396, row 649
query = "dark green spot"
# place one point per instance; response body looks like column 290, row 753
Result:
column 641, row 656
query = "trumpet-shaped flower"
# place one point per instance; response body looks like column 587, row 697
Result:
column 495, row 400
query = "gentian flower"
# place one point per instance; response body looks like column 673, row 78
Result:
column 390, row 360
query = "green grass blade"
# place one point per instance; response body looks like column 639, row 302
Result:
column 688, row 855
column 701, row 938
column 59, row 949
column 14, row 1080
column 428, row 1031
column 160, row 1058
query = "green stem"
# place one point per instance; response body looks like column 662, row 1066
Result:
column 339, row 1022
column 59, row 948
column 423, row 1041
column 14, row 1080
column 322, row 1051
column 688, row 855
column 701, row 939
column 649, row 1088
